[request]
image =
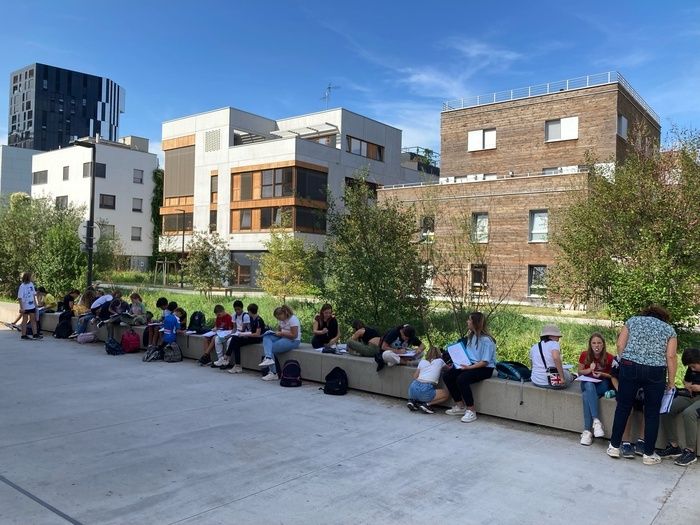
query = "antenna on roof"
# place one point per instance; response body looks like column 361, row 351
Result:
column 327, row 93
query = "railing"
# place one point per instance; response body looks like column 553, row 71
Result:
column 600, row 79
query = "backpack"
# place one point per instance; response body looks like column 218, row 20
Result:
column 153, row 353
column 172, row 353
column 336, row 382
column 197, row 321
column 63, row 329
column 112, row 347
column 291, row 373
column 131, row 342
column 65, row 316
column 513, row 370
column 86, row 337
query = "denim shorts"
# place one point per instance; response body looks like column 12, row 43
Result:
column 421, row 391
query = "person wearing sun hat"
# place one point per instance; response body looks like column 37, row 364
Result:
column 546, row 360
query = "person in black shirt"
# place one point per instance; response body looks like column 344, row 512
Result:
column 364, row 340
column 397, row 342
column 325, row 328
column 256, row 327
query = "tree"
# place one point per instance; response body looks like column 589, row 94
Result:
column 208, row 263
column 156, row 218
column 62, row 263
column 633, row 239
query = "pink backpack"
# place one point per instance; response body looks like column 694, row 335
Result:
column 131, row 342
column 86, row 337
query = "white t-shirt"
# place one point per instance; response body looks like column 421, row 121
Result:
column 26, row 294
column 429, row 371
column 241, row 320
column 539, row 372
column 100, row 301
column 286, row 326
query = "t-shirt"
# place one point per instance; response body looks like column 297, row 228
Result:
column 286, row 326
column 170, row 327
column 647, row 340
column 393, row 339
column 370, row 333
column 539, row 371
column 241, row 321
column 49, row 302
column 100, row 301
column 429, row 371
column 137, row 308
column 26, row 295
column 256, row 324
column 331, row 324
column 606, row 367
column 67, row 300
column 481, row 349
column 223, row 322
column 691, row 377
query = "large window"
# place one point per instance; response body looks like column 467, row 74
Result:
column 135, row 233
column 277, row 183
column 310, row 219
column 278, row 216
column 66, row 172
column 138, row 176
column 100, row 170
column 40, row 177
column 246, row 186
column 539, row 226
column 62, row 202
column 480, row 228
column 537, row 280
column 478, row 278
column 212, row 221
column 366, row 149
column 311, row 184
column 214, row 188
column 622, row 126
column 561, row 129
column 352, row 183
column 246, row 219
column 241, row 274
column 136, row 204
column 108, row 202
column 480, row 139
column 174, row 222
column 427, row 228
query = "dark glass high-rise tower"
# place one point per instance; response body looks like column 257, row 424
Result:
column 50, row 105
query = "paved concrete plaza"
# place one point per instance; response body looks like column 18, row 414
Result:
column 90, row 438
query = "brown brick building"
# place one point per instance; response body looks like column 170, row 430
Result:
column 509, row 162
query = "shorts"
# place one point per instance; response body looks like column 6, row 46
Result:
column 30, row 311
column 423, row 392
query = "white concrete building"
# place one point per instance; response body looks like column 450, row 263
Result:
column 234, row 172
column 15, row 169
column 123, row 189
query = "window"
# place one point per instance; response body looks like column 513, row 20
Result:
column 174, row 222
column 311, row 184
column 138, row 176
column 40, row 177
column 326, row 140
column 277, row 183
column 246, row 219
column 107, row 231
column 427, row 228
column 212, row 221
column 310, row 219
column 241, row 274
column 478, row 278
column 539, row 226
column 62, row 202
column 480, row 228
column 622, row 126
column 135, row 233
column 366, row 149
column 246, row 186
column 561, row 129
column 481, row 139
column 137, row 204
column 66, row 172
column 100, row 170
column 371, row 186
column 108, row 202
column 278, row 216
column 213, row 188
column 551, row 171
column 536, row 280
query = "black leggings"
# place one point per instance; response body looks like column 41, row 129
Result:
column 235, row 344
column 459, row 382
column 318, row 341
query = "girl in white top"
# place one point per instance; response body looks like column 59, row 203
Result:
column 26, row 295
column 286, row 338
column 423, row 391
column 549, row 344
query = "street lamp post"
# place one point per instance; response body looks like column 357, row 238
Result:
column 182, row 250
column 90, row 234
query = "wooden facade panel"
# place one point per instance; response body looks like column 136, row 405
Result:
column 255, row 219
column 282, row 164
column 177, row 142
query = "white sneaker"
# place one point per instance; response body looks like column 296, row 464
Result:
column 219, row 362
column 269, row 377
column 586, row 438
column 266, row 362
column 455, row 411
column 598, row 428
column 613, row 452
column 469, row 416
column 236, row 370
column 653, row 459
column 224, row 362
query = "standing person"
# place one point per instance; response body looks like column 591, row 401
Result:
column 687, row 406
column 325, row 328
column 365, row 340
column 647, row 347
column 594, row 363
column 546, row 360
column 481, row 351
column 26, row 296
column 286, row 338
column 256, row 327
column 423, row 391
column 396, row 343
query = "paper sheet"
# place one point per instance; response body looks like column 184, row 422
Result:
column 588, row 379
column 666, row 401
column 458, row 354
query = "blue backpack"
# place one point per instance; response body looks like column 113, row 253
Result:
column 513, row 371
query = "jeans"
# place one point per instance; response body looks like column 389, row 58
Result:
column 590, row 393
column 652, row 379
column 424, row 392
column 364, row 350
column 273, row 344
column 688, row 408
column 459, row 382
column 83, row 323
column 235, row 344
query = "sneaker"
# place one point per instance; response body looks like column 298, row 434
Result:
column 270, row 377
column 217, row 363
column 237, row 369
column 228, row 366
column 586, row 438
column 670, row 452
column 469, row 416
column 16, row 327
column 411, row 405
column 455, row 411
column 72, row 336
column 204, row 360
column 598, row 429
column 25, row 337
column 426, row 408
column 628, row 450
column 266, row 362
column 613, row 452
column 652, row 459
column 687, row 458
column 639, row 447
column 224, row 362
column 38, row 336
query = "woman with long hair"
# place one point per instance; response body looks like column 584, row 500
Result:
column 594, row 367
column 325, row 328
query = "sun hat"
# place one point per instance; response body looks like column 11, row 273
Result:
column 550, row 329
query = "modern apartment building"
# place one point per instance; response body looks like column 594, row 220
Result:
column 510, row 161
column 123, row 189
column 15, row 170
column 50, row 105
column 238, row 174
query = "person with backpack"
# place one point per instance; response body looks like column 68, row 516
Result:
column 154, row 327
column 325, row 328
column 256, row 327
column 547, row 367
column 423, row 391
column 364, row 340
column 171, row 324
column 26, row 296
column 594, row 363
column 399, row 343
column 222, row 322
column 480, row 348
column 287, row 337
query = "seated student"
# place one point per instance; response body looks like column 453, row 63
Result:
column 45, row 300
column 365, row 340
column 256, row 327
column 546, row 360
column 325, row 328
column 153, row 330
column 223, row 321
column 181, row 314
column 286, row 338
column 82, row 310
column 136, row 311
column 100, row 307
column 423, row 391
column 241, row 323
column 397, row 342
column 68, row 302
column 628, row 450
column 596, row 363
column 481, row 351
column 687, row 406
column 170, row 327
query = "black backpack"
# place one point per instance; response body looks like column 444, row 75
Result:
column 113, row 347
column 291, row 373
column 513, row 370
column 197, row 321
column 336, row 382
column 63, row 329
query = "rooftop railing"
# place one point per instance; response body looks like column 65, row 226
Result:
column 600, row 79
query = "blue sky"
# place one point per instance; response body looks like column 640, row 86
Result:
column 393, row 61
